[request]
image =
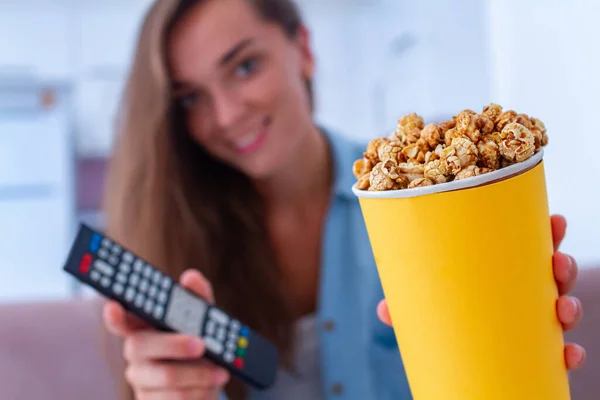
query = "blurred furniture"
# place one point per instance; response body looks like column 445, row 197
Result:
column 37, row 195
column 56, row 351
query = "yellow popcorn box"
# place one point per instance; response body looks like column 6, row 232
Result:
column 466, row 268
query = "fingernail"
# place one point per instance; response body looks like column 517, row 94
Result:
column 221, row 377
column 575, row 305
column 196, row 345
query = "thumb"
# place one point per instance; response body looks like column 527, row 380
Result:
column 194, row 281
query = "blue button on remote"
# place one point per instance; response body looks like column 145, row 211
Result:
column 95, row 243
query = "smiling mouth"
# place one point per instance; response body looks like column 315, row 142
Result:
column 252, row 140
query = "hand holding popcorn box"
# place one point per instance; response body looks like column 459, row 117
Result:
column 458, row 220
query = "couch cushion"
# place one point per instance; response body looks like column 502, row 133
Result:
column 56, row 351
column 585, row 383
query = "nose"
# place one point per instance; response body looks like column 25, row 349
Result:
column 228, row 108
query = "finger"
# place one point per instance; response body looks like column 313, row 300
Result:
column 565, row 272
column 569, row 311
column 161, row 375
column 184, row 394
column 119, row 322
column 559, row 228
column 196, row 282
column 384, row 313
column 575, row 356
column 154, row 345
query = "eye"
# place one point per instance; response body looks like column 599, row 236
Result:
column 189, row 100
column 246, row 68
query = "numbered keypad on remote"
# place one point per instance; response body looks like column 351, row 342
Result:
column 129, row 277
column 226, row 337
column 150, row 291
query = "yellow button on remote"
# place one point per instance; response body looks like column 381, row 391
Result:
column 243, row 342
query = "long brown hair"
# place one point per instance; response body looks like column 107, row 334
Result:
column 169, row 201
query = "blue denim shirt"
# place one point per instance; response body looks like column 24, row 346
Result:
column 360, row 359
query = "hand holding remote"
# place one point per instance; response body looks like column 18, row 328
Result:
column 165, row 365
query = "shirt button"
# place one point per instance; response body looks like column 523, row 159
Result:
column 337, row 389
column 329, row 325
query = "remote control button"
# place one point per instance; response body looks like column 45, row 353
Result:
column 113, row 260
column 243, row 342
column 244, row 331
column 240, row 352
column 185, row 312
column 95, row 275
column 138, row 265
column 156, row 276
column 235, row 325
column 162, row 297
column 228, row 357
column 152, row 291
column 221, row 334
column 126, row 268
column 106, row 242
column 213, row 345
column 232, row 336
column 129, row 294
column 238, row 363
column 159, row 311
column 103, row 254
column 95, row 243
column 104, row 268
column 218, row 316
column 122, row 278
column 134, row 279
column 149, row 306
column 128, row 257
column 144, row 286
column 86, row 262
column 118, row 289
column 147, row 271
column 231, row 346
column 166, row 283
column 211, row 327
column 116, row 249
column 105, row 282
column 139, row 300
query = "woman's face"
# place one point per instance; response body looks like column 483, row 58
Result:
column 241, row 81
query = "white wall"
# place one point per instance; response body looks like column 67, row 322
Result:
column 546, row 63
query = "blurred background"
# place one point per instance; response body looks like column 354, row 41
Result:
column 63, row 64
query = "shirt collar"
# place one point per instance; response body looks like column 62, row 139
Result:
column 344, row 153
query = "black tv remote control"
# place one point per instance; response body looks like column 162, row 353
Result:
column 115, row 272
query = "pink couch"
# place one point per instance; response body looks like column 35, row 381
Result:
column 55, row 351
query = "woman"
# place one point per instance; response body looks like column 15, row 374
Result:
column 221, row 177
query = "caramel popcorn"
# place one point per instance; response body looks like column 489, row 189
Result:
column 466, row 151
column 492, row 111
column 432, row 135
column 392, row 151
column 437, row 171
column 372, row 152
column 489, row 152
column 420, row 182
column 468, row 145
column 361, row 167
column 408, row 130
column 364, row 182
column 451, row 134
column 470, row 171
column 518, row 143
column 386, row 176
column 466, row 124
column 504, row 119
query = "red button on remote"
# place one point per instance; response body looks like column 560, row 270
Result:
column 238, row 362
column 86, row 262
